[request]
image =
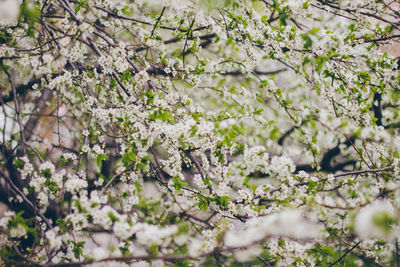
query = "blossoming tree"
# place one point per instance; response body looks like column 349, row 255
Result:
column 199, row 132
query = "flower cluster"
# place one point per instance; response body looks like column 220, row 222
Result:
column 199, row 132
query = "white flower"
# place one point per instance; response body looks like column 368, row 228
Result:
column 123, row 230
column 278, row 224
column 247, row 254
column 48, row 166
column 9, row 11
column 7, row 216
column 27, row 169
column 396, row 163
column 74, row 184
column 97, row 149
column 18, row 231
column 70, row 156
column 195, row 247
column 85, row 148
column 376, row 220
column 99, row 253
column 152, row 234
column 53, row 239
column 105, row 216
column 43, row 199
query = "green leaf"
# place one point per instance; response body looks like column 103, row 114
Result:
column 112, row 216
column 203, row 203
column 222, row 201
column 77, row 249
column 100, row 158
column 313, row 31
column 282, row 18
column 307, row 39
column 153, row 249
column 18, row 163
column 132, row 156
column 178, row 183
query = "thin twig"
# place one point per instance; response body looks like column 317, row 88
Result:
column 345, row 254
